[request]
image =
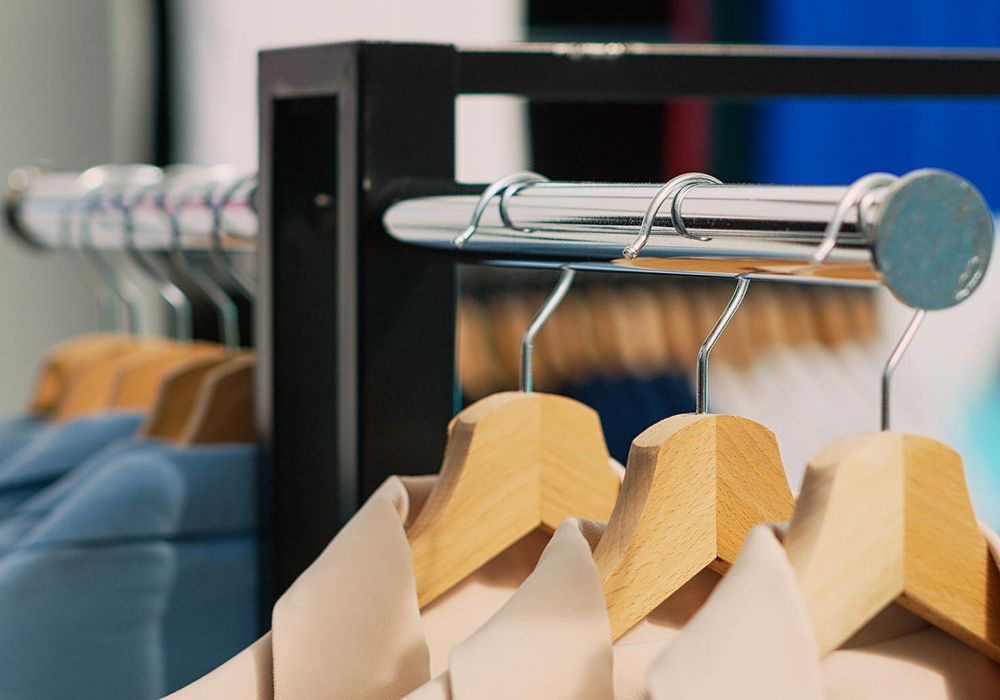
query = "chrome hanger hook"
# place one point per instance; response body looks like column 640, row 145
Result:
column 857, row 193
column 498, row 187
column 216, row 252
column 895, row 357
column 225, row 307
column 676, row 188
column 122, row 287
column 548, row 308
column 168, row 291
column 701, row 385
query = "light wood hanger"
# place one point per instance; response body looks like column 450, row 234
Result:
column 678, row 322
column 886, row 517
column 138, row 382
column 224, row 409
column 608, row 339
column 178, row 395
column 66, row 359
column 478, row 368
column 91, row 388
column 515, row 462
column 694, row 487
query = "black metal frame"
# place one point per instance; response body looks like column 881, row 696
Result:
column 355, row 333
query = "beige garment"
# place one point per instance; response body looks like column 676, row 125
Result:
column 752, row 639
column 350, row 627
column 552, row 640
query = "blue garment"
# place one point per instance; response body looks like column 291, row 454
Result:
column 834, row 141
column 56, row 449
column 212, row 611
column 16, row 432
column 83, row 594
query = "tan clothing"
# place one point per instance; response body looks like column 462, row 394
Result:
column 552, row 640
column 755, row 628
column 350, row 627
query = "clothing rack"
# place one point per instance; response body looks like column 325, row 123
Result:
column 362, row 227
column 356, row 329
column 113, row 207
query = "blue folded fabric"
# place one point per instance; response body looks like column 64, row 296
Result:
column 83, row 595
column 211, row 613
column 55, row 449
column 16, row 432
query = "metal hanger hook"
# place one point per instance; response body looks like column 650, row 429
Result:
column 701, row 385
column 225, row 307
column 895, row 357
column 216, row 252
column 675, row 188
column 528, row 341
column 497, row 188
column 854, row 196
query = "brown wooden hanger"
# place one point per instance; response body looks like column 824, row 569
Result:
column 64, row 360
column 224, row 408
column 886, row 517
column 515, row 462
column 91, row 388
column 178, row 395
column 694, row 487
column 138, row 382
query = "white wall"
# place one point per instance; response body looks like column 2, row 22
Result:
column 55, row 104
column 218, row 41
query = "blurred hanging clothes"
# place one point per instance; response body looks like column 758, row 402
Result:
column 211, row 610
column 57, row 448
column 84, row 591
column 16, row 432
column 628, row 405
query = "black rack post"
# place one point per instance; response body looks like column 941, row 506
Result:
column 355, row 333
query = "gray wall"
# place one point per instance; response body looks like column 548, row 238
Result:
column 55, row 104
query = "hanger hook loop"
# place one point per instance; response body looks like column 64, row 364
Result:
column 675, row 188
column 895, row 357
column 497, row 188
column 857, row 193
column 701, row 388
column 528, row 341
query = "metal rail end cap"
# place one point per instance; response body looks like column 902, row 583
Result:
column 933, row 239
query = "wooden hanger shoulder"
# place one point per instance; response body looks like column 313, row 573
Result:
column 224, row 408
column 177, row 397
column 138, row 381
column 886, row 517
column 91, row 388
column 530, row 461
column 65, row 359
column 694, row 487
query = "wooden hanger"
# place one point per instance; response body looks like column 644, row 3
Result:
column 224, row 408
column 883, row 518
column 66, row 359
column 139, row 381
column 91, row 388
column 514, row 463
column 177, row 397
column 651, row 343
column 694, row 487
column 886, row 517
column 607, row 334
column 678, row 321
column 477, row 364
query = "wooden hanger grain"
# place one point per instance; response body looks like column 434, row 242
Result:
column 91, row 388
column 178, row 395
column 64, row 360
column 694, row 487
column 514, row 463
column 883, row 518
column 224, row 408
column 139, row 381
